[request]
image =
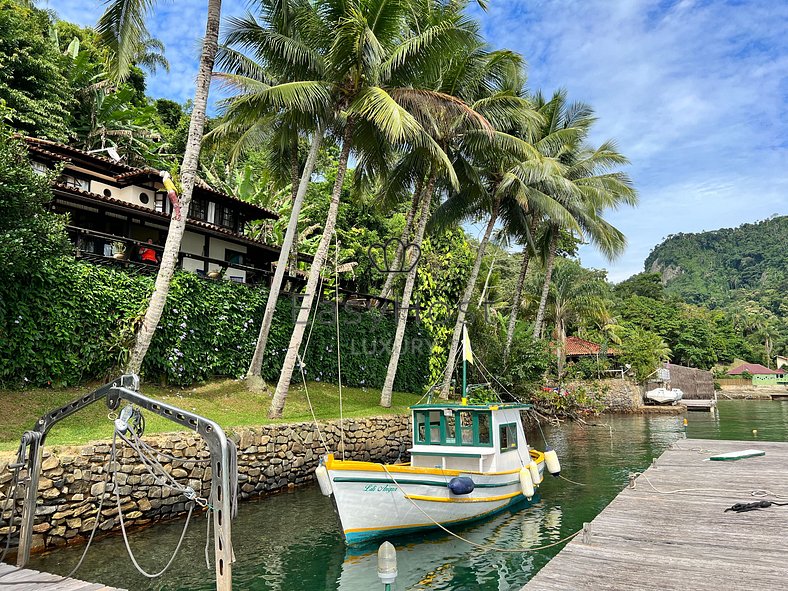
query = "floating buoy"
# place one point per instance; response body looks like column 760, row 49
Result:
column 461, row 485
column 526, row 483
column 755, row 431
column 551, row 461
column 685, row 422
column 536, row 476
column 323, row 480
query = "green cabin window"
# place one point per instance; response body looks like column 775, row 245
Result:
column 508, row 433
column 456, row 427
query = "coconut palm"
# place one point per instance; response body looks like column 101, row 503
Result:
column 279, row 33
column 365, row 62
column 122, row 29
column 590, row 172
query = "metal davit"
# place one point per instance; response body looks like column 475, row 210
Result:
column 126, row 388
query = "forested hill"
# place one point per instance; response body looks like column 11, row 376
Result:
column 732, row 264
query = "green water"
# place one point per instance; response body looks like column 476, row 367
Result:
column 291, row 542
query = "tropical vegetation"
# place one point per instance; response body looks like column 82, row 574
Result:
column 386, row 134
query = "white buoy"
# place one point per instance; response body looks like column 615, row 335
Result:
column 323, row 480
column 526, row 484
column 551, row 461
column 536, row 475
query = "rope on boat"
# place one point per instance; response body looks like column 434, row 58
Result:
column 485, row 547
column 562, row 477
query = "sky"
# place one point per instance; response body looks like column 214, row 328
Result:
column 693, row 92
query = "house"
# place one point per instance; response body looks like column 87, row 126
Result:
column 576, row 348
column 761, row 375
column 116, row 211
column 782, row 362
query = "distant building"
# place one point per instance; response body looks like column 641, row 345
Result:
column 782, row 362
column 761, row 375
column 576, row 348
column 115, row 209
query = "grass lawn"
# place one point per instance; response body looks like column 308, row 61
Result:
column 227, row 402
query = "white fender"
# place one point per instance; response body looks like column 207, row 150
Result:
column 536, row 475
column 551, row 461
column 323, row 480
column 526, row 484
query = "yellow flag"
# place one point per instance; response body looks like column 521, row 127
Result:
column 467, row 353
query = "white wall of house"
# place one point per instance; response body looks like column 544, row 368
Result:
column 131, row 194
column 193, row 244
column 217, row 250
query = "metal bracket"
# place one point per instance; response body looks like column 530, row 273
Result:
column 127, row 388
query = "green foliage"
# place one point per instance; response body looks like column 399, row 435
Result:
column 643, row 351
column 573, row 402
column 73, row 321
column 587, row 368
column 29, row 235
column 647, row 285
column 529, row 359
column 32, row 81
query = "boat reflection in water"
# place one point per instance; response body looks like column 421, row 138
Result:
column 437, row 561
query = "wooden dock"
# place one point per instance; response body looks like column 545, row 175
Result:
column 30, row 580
column 648, row 540
column 708, row 405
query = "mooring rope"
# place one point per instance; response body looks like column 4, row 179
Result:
column 485, row 547
column 757, row 493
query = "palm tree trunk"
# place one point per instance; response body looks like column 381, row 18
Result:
column 518, row 295
column 548, row 273
column 280, row 396
column 414, row 206
column 466, row 300
column 256, row 366
column 292, row 263
column 169, row 259
column 410, row 281
column 516, row 301
column 561, row 346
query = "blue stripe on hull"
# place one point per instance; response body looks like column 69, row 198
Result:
column 360, row 537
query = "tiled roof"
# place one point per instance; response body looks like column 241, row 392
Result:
column 755, row 369
column 575, row 346
column 46, row 147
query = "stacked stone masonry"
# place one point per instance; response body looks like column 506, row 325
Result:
column 271, row 459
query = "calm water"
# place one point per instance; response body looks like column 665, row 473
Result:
column 291, row 542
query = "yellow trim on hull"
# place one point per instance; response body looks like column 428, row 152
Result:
column 463, row 500
column 333, row 464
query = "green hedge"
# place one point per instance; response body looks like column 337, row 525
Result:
column 75, row 321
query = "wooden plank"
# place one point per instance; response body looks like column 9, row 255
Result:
column 671, row 531
column 30, row 580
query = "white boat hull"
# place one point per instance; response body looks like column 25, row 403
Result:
column 376, row 501
column 664, row 396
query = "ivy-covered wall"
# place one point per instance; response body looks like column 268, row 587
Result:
column 74, row 321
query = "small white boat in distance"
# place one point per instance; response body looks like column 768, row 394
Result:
column 664, row 395
column 468, row 461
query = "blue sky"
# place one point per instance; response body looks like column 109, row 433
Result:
column 694, row 92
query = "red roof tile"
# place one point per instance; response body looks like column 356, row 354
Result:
column 575, row 346
column 755, row 369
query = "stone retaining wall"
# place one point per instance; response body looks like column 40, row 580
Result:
column 270, row 458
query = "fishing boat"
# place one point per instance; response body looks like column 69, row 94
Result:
column 663, row 395
column 468, row 461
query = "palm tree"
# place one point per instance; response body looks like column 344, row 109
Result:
column 364, row 62
column 253, row 121
column 576, row 295
column 587, row 171
column 122, row 29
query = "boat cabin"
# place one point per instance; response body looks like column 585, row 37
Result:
column 472, row 437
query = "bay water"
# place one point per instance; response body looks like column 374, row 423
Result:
column 291, row 542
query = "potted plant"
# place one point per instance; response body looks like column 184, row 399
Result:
column 119, row 250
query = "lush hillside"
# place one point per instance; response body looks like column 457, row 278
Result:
column 732, row 264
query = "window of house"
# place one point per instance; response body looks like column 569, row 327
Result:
column 40, row 168
column 144, row 198
column 107, row 193
column 160, row 202
column 234, row 257
column 227, row 216
column 76, row 183
column 508, row 433
column 198, row 209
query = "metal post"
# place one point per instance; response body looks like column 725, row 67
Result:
column 29, row 507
